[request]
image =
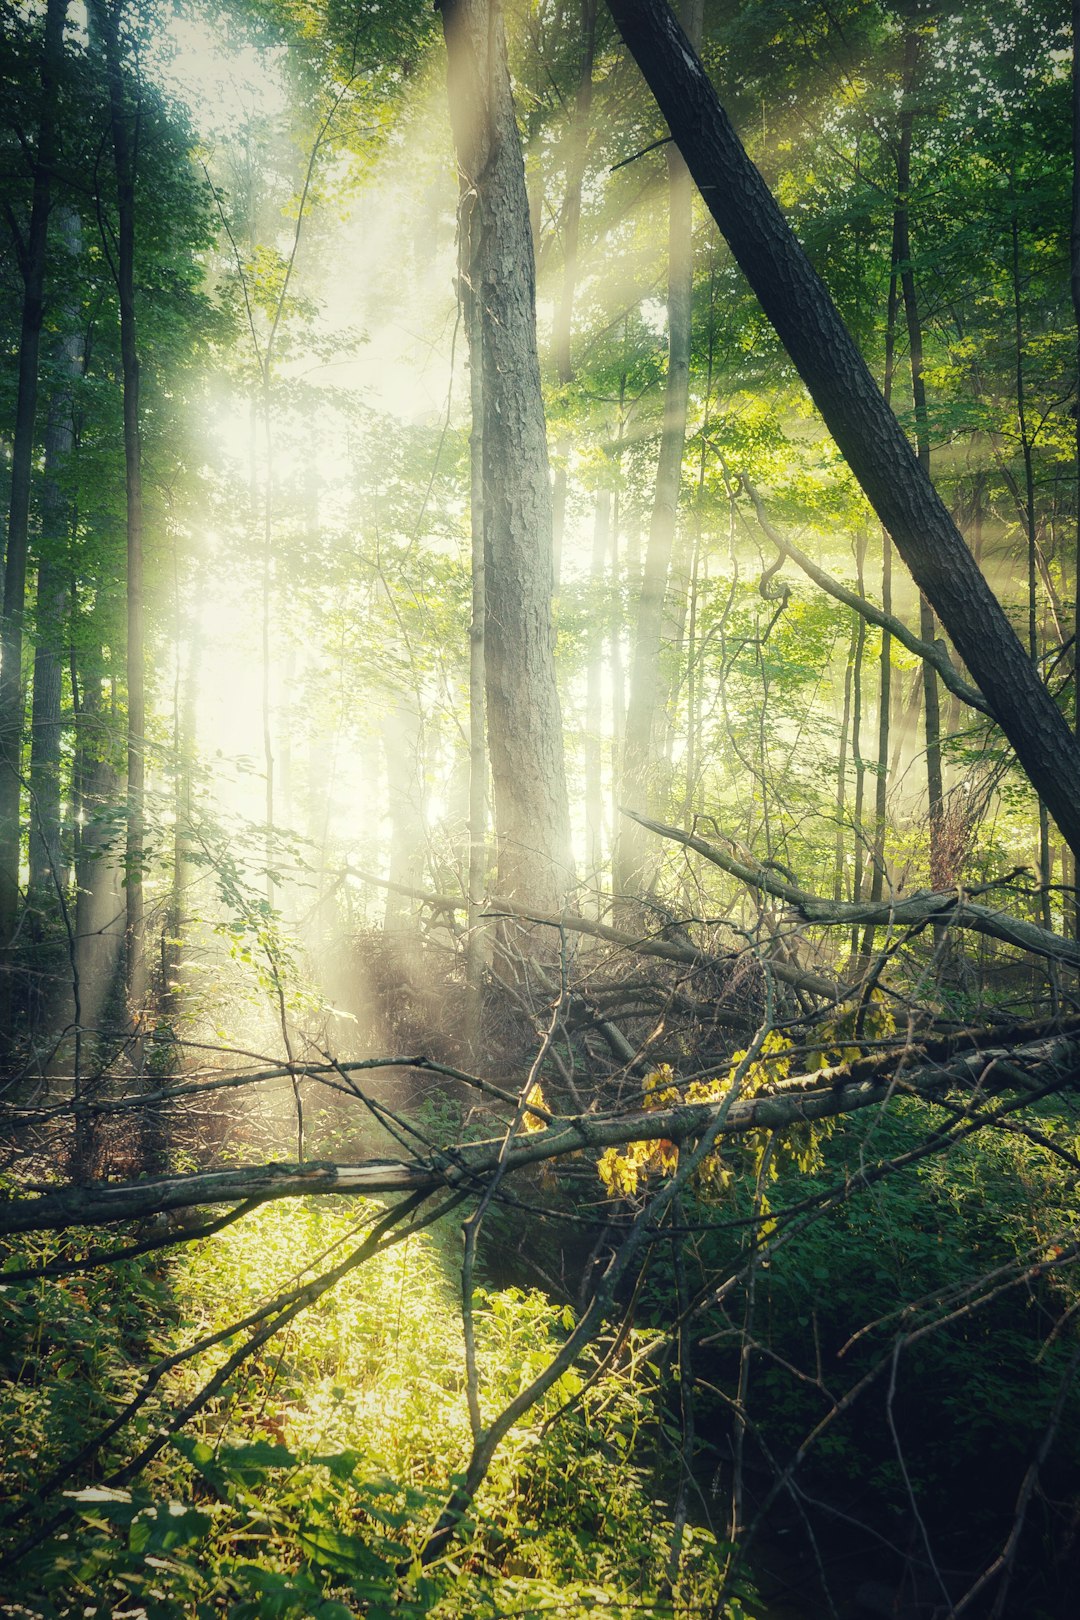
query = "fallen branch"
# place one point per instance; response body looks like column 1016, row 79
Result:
column 645, row 945
column 966, row 1061
column 949, row 906
column 928, row 651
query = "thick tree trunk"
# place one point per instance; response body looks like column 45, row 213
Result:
column 866, row 432
column 524, row 722
column 32, row 258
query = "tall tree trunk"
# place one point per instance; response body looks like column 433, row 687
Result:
column 524, row 724
column 646, row 674
column 32, row 253
column 594, row 791
column 46, row 883
column 935, row 793
column 577, row 140
column 476, row 948
column 865, row 430
column 1074, row 285
column 124, row 128
column 841, row 763
column 881, row 781
column 1032, row 537
column 100, row 908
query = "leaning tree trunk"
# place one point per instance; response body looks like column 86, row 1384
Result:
column 867, row 433
column 32, row 257
column 524, row 722
column 646, row 673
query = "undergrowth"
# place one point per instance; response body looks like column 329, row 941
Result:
column 307, row 1487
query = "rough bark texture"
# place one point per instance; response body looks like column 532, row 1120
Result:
column 985, row 1066
column 46, row 858
column 32, row 260
column 594, row 786
column 524, row 721
column 1074, row 284
column 935, row 791
column 47, row 864
column 866, row 432
column 124, row 131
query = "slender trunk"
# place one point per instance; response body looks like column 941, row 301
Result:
column 939, row 878
column 1043, row 908
column 1074, row 284
column 594, row 792
column 577, row 140
column 841, row 765
column 99, row 911
column 476, row 950
column 693, row 684
column 524, row 722
column 881, row 782
column 615, row 660
column 124, row 126
column 266, row 604
column 859, row 851
column 646, row 673
column 32, row 254
column 47, row 865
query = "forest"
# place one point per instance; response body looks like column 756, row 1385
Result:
column 540, row 809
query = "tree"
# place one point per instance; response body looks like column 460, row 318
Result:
column 646, row 674
column 32, row 255
column 865, row 430
column 523, row 715
column 124, row 123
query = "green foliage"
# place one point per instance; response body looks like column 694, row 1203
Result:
column 309, row 1485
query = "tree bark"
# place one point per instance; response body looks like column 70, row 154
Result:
column 125, row 140
column 1074, row 286
column 47, row 863
column 32, row 255
column 935, row 792
column 524, row 723
column 983, row 1067
column 646, row 674
column 865, row 430
column 594, row 790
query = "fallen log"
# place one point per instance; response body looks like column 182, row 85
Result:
column 964, row 1064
